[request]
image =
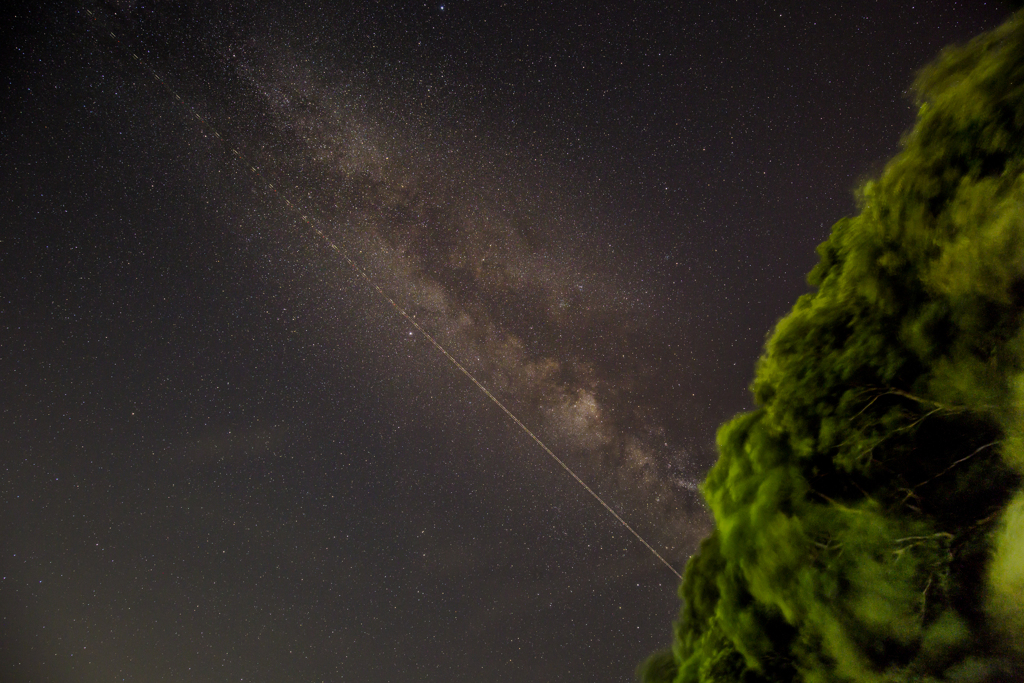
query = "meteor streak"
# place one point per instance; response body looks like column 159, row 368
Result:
column 302, row 214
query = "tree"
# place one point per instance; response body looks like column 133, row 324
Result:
column 869, row 513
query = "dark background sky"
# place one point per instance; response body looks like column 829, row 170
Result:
column 225, row 457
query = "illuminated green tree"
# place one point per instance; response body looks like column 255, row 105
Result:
column 869, row 514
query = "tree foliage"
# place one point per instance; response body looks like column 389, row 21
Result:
column 869, row 514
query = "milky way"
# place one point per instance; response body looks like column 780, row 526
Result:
column 225, row 456
column 510, row 280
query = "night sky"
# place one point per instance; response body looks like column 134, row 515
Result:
column 225, row 455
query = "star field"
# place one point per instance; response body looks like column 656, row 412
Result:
column 225, row 457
